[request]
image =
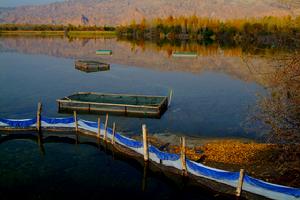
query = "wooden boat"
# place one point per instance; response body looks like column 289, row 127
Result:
column 91, row 66
column 184, row 54
column 119, row 104
column 103, row 52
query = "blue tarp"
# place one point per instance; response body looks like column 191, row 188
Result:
column 275, row 188
column 163, row 155
column 216, row 174
column 109, row 130
column 67, row 120
column 90, row 124
column 128, row 142
column 93, row 124
column 19, row 123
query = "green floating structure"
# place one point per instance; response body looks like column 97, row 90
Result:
column 184, row 54
column 118, row 104
column 104, row 52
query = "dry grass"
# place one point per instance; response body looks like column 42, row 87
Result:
column 234, row 152
column 270, row 162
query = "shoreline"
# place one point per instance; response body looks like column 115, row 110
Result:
column 59, row 33
column 275, row 163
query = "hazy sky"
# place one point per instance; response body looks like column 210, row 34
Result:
column 13, row 3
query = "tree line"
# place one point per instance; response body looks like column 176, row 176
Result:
column 253, row 30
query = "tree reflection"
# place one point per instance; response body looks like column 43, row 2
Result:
column 280, row 109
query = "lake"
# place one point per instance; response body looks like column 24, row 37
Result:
column 212, row 94
column 213, row 97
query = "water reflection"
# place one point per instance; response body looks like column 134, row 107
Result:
column 209, row 47
column 147, row 54
column 279, row 111
column 212, row 93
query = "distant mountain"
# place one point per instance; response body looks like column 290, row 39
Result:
column 4, row 12
column 114, row 12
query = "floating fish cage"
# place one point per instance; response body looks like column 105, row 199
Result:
column 185, row 54
column 91, row 66
column 104, row 52
column 118, row 104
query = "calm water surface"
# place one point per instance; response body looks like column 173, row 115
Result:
column 65, row 170
column 213, row 96
column 212, row 93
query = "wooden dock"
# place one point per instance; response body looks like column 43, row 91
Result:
column 118, row 104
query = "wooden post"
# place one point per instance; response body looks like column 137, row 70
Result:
column 77, row 138
column 38, row 117
column 75, row 121
column 144, row 182
column 99, row 127
column 105, row 127
column 183, row 155
column 38, row 127
column 40, row 143
column 145, row 142
column 240, row 183
column 170, row 98
column 113, row 133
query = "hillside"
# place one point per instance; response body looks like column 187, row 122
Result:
column 4, row 12
column 114, row 12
